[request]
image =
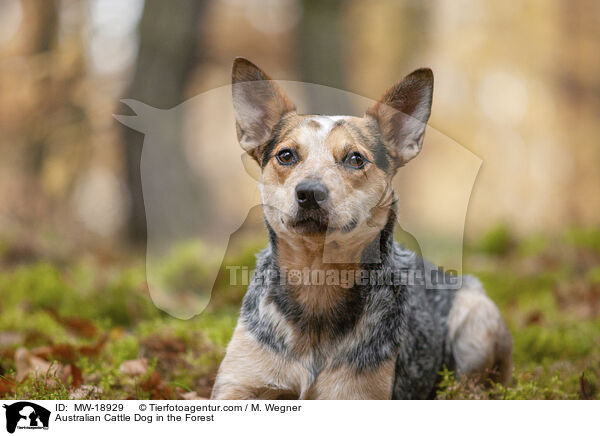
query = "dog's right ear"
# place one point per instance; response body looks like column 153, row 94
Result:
column 258, row 104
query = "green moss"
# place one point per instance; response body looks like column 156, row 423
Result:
column 541, row 344
column 593, row 275
column 37, row 286
column 523, row 387
column 38, row 326
column 497, row 241
column 125, row 348
column 42, row 287
column 533, row 245
column 218, row 326
column 187, row 266
column 228, row 292
column 526, row 389
column 556, row 345
column 124, row 300
column 584, row 238
column 45, row 387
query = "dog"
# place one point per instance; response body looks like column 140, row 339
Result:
column 329, row 208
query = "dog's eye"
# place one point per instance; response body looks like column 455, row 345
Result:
column 286, row 157
column 355, row 160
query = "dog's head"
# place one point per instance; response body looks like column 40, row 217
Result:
column 328, row 174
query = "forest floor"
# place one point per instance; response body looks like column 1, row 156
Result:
column 83, row 326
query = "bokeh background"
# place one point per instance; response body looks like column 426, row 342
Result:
column 517, row 83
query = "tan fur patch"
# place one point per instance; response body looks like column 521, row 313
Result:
column 313, row 124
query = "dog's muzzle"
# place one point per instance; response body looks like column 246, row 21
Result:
column 311, row 194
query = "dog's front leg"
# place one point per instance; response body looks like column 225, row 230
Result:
column 224, row 391
column 250, row 371
column 238, row 377
column 347, row 384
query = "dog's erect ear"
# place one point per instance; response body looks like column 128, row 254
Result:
column 402, row 114
column 258, row 104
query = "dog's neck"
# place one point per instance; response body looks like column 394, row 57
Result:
column 319, row 271
column 322, row 313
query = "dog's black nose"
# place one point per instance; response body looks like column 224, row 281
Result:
column 310, row 194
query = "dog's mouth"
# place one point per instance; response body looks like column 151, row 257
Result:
column 310, row 223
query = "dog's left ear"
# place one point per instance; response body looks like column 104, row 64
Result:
column 258, row 103
column 402, row 114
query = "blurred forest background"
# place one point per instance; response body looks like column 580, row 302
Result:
column 517, row 83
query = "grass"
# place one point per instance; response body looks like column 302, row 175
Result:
column 88, row 317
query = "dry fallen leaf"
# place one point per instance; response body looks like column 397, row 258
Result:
column 73, row 374
column 154, row 385
column 93, row 350
column 11, row 338
column 191, row 396
column 587, row 389
column 62, row 352
column 66, row 353
column 134, row 367
column 168, row 351
column 7, row 385
column 28, row 363
column 534, row 317
column 86, row 392
column 78, row 325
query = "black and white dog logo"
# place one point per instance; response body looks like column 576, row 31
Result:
column 26, row 415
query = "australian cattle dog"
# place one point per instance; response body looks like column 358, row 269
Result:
column 314, row 324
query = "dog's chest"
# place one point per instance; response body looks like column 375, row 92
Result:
column 316, row 375
column 311, row 355
column 317, row 365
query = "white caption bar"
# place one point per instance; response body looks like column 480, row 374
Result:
column 296, row 417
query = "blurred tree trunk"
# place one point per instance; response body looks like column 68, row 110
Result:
column 169, row 43
column 40, row 26
column 321, row 48
column 321, row 42
column 577, row 73
column 38, row 36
